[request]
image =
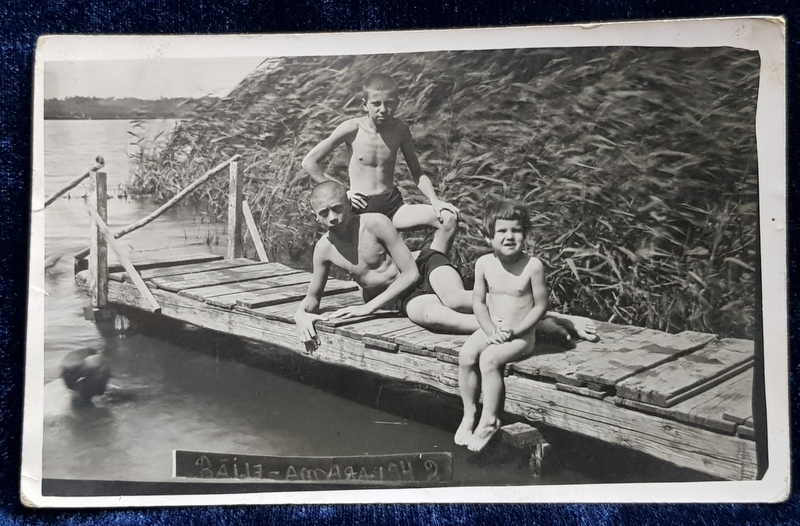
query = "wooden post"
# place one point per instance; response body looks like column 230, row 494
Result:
column 235, row 216
column 253, row 229
column 98, row 251
column 530, row 443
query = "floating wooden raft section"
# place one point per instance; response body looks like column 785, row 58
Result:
column 684, row 398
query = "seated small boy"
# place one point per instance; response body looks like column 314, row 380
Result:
column 509, row 299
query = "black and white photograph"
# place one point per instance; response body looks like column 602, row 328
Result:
column 532, row 264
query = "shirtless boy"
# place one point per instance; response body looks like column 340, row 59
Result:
column 372, row 143
column 367, row 246
column 509, row 299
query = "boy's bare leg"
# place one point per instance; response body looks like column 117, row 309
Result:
column 427, row 311
column 492, row 363
column 469, row 384
column 415, row 216
column 446, row 282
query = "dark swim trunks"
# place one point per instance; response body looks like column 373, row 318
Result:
column 386, row 203
column 427, row 261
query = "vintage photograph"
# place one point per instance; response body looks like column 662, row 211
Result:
column 405, row 267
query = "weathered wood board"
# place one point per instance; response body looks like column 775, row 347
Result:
column 452, row 345
column 221, row 277
column 644, row 350
column 558, row 361
column 144, row 260
column 709, row 409
column 401, row 332
column 374, row 328
column 285, row 311
column 743, row 431
column 190, row 268
column 214, row 291
column 558, row 364
column 676, row 442
column 255, row 290
column 292, row 293
column 689, row 375
column 725, row 456
column 264, row 298
column 148, row 268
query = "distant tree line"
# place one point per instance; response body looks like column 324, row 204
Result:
column 126, row 108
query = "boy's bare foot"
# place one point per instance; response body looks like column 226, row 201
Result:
column 482, row 435
column 582, row 327
column 464, row 431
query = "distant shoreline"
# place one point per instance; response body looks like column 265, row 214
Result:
column 91, row 108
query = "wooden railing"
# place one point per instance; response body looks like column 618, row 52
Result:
column 101, row 237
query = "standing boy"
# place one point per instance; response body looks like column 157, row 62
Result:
column 372, row 143
column 509, row 299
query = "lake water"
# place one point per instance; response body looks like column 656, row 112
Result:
column 186, row 391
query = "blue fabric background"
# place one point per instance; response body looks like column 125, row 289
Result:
column 22, row 21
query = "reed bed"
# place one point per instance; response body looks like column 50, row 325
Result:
column 638, row 165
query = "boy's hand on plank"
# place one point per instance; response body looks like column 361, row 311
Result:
column 353, row 311
column 305, row 326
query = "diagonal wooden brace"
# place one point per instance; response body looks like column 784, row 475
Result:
column 123, row 258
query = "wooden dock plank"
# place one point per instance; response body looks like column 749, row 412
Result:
column 252, row 291
column 558, row 363
column 374, row 328
column 214, row 291
column 165, row 263
column 621, row 352
column 736, row 415
column 393, row 336
column 644, row 350
column 253, row 271
column 710, row 408
column 743, row 431
column 675, row 442
column 452, row 345
column 297, row 291
column 726, row 456
column 285, row 311
column 191, row 268
column 423, row 339
column 669, row 383
column 161, row 259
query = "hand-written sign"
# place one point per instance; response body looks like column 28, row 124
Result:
column 413, row 468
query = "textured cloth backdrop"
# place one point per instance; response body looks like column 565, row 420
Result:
column 22, row 21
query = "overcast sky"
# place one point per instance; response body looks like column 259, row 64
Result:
column 146, row 79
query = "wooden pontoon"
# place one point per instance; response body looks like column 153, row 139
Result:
column 684, row 398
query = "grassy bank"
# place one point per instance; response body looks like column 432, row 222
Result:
column 638, row 165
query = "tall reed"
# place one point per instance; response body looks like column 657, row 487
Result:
column 639, row 165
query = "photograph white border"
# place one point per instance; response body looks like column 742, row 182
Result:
column 763, row 34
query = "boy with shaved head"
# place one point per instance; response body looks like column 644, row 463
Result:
column 372, row 142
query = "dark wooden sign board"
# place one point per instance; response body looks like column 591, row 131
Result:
column 400, row 469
